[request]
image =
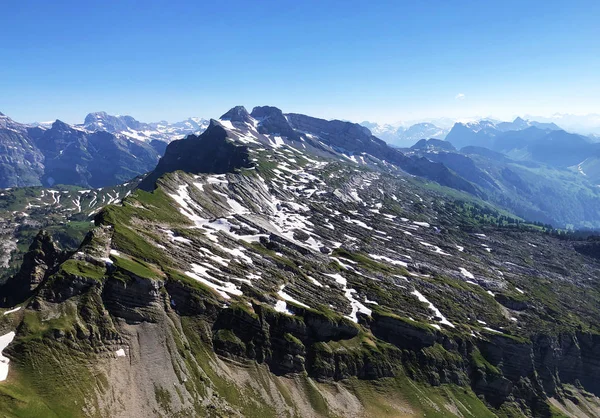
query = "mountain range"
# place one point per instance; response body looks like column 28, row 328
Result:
column 404, row 135
column 284, row 265
column 106, row 150
column 401, row 136
column 128, row 126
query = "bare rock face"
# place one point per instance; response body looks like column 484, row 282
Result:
column 210, row 152
column 39, row 262
column 22, row 164
column 237, row 114
column 273, row 121
column 134, row 299
column 65, row 154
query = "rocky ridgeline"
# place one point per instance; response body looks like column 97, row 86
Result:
column 290, row 261
column 65, row 212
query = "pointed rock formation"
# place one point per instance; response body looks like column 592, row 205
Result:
column 38, row 263
column 210, row 152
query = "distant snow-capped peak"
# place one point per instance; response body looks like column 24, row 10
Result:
column 130, row 127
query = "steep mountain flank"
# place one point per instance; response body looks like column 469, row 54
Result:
column 65, row 213
column 38, row 263
column 210, row 152
column 355, row 139
column 21, row 164
column 560, row 196
column 91, row 159
column 65, row 154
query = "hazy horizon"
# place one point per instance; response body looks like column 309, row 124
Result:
column 591, row 124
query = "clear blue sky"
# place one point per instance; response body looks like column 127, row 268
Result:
column 356, row 60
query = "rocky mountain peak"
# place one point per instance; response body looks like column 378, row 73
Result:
column 60, row 126
column 210, row 152
column 267, row 112
column 272, row 121
column 40, row 260
column 94, row 116
column 237, row 114
column 105, row 122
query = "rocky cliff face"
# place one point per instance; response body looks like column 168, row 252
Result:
column 96, row 159
column 210, row 152
column 21, row 164
column 39, row 262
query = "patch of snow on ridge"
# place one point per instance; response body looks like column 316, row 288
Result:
column 237, row 208
column 492, row 330
column 432, row 307
column 372, row 302
column 357, row 222
column 389, row 260
column 5, row 340
column 200, row 274
column 348, row 293
column 120, row 353
column 433, row 248
column 227, row 124
column 314, row 281
column 281, row 306
column 237, row 253
column 172, row 237
column 18, row 308
column 217, row 179
column 217, row 259
column 277, row 142
column 289, row 298
column 466, row 273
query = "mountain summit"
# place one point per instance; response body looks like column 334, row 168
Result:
column 237, row 114
column 210, row 152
